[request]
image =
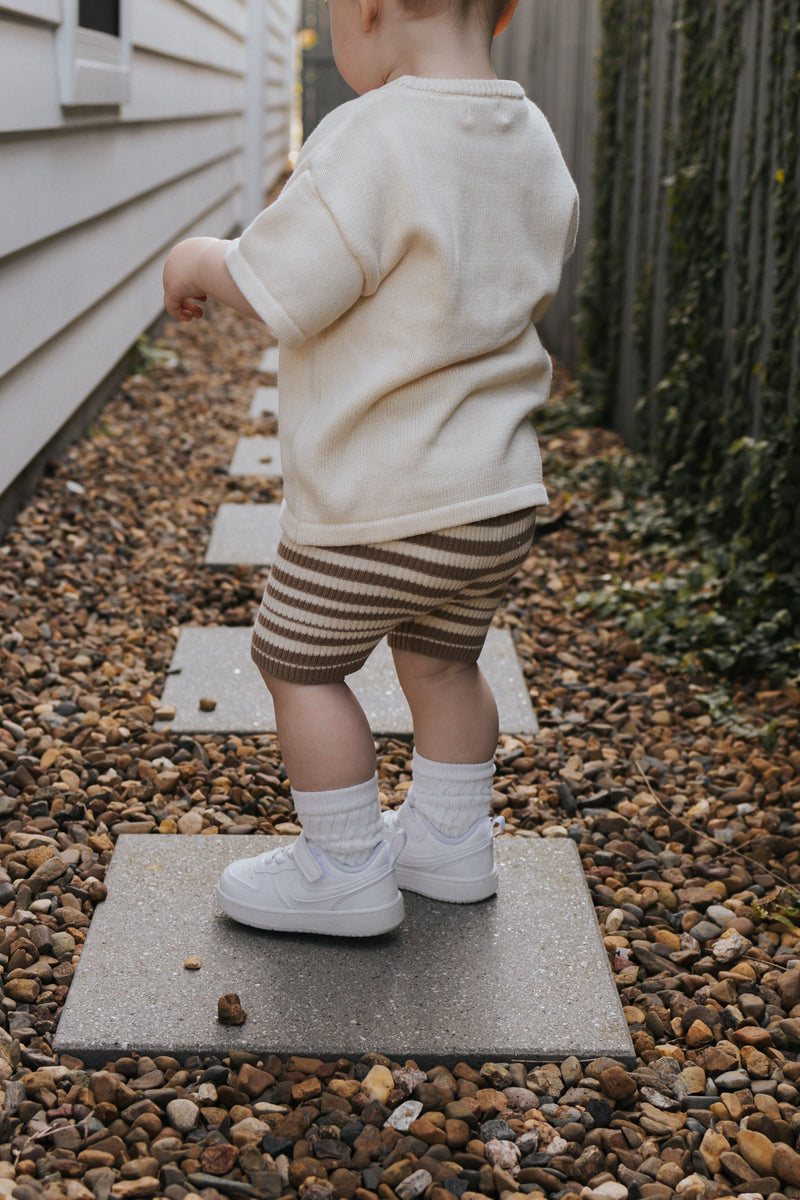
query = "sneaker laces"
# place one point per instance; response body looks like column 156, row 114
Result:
column 278, row 856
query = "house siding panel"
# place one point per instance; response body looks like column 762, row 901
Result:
column 92, row 198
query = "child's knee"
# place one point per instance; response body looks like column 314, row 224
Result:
column 415, row 668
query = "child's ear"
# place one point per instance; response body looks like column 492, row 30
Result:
column 505, row 19
column 370, row 11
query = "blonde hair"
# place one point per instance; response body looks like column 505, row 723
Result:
column 488, row 10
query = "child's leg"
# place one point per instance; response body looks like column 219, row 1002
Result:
column 329, row 754
column 446, row 817
column 325, row 738
column 452, row 706
column 338, row 878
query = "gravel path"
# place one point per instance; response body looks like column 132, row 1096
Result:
column 687, row 826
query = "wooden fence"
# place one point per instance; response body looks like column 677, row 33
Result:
column 694, row 282
column 551, row 48
column 691, row 119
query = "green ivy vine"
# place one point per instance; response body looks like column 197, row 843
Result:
column 693, row 289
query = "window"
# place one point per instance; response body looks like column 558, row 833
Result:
column 102, row 15
column 94, row 53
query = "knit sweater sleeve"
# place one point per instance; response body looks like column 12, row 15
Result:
column 294, row 266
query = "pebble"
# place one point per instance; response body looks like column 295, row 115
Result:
column 183, row 1114
column 504, row 1154
column 402, row 1117
column 378, row 1083
column 413, row 1185
column 230, row 1011
column 658, row 810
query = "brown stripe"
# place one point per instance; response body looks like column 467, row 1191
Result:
column 309, row 636
column 445, row 573
column 274, row 653
column 421, row 645
column 368, row 554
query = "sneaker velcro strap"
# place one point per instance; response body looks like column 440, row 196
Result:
column 305, row 860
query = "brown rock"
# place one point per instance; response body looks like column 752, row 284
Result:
column 112, row 1145
column 790, row 1028
column 617, row 1083
column 304, row 1065
column 427, row 1132
column 757, row 1150
column 24, row 991
column 490, row 1102
column 751, row 1035
column 301, row 1169
column 397, row 1172
column 377, row 1084
column 253, row 1080
column 307, row 1089
column 346, row 1088
column 230, row 1011
column 698, row 1034
column 711, row 1147
column 457, row 1133
column 130, row 1189
column 757, row 1065
column 736, row 1168
column 95, row 1159
column 345, row 1182
column 656, row 1121
column 293, row 1125
column 788, row 988
column 368, row 1143
column 465, row 1071
column 787, row 1164
column 716, row 1059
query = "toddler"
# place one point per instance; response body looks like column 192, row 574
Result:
column 402, row 270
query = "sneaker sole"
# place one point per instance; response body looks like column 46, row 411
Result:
column 453, row 891
column 369, row 923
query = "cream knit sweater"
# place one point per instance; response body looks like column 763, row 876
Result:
column 402, row 269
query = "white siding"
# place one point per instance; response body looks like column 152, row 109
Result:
column 91, row 198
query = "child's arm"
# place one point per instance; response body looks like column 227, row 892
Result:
column 195, row 269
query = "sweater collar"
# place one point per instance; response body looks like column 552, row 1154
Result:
column 462, row 87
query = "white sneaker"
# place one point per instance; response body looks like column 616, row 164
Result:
column 460, row 869
column 298, row 889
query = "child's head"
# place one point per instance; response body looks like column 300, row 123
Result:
column 374, row 40
column 488, row 12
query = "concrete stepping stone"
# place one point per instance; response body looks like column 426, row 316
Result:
column 265, row 403
column 257, row 456
column 214, row 664
column 269, row 361
column 245, row 534
column 523, row 976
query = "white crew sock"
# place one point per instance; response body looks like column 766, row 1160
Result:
column 452, row 796
column 345, row 824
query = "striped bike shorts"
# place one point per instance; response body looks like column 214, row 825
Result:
column 325, row 608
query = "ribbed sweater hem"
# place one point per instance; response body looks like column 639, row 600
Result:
column 386, row 529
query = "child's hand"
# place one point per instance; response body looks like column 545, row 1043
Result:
column 194, row 270
column 183, row 295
